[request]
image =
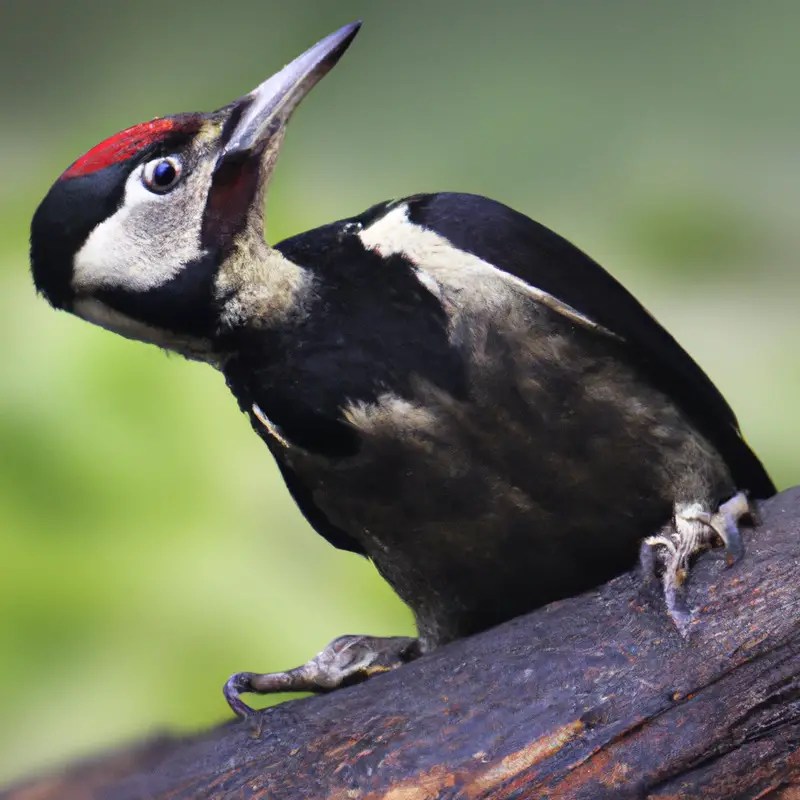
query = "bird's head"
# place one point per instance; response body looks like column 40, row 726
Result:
column 132, row 235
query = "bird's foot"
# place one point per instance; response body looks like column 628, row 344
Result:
column 345, row 661
column 692, row 531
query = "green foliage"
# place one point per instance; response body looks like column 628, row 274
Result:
column 696, row 237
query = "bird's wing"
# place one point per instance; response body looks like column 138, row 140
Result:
column 316, row 517
column 558, row 274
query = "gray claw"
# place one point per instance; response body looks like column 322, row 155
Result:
column 692, row 531
column 726, row 525
column 346, row 660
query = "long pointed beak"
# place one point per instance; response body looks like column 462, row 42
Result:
column 268, row 108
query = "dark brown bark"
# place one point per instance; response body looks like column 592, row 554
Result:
column 592, row 697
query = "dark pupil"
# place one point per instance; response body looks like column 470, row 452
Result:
column 164, row 173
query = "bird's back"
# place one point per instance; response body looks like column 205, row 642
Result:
column 543, row 259
column 512, row 421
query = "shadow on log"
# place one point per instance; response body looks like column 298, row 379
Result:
column 592, row 697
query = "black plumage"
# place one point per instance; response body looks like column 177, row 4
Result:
column 519, row 485
column 537, row 255
column 448, row 387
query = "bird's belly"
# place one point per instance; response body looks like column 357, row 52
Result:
column 476, row 513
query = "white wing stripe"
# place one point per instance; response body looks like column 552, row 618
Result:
column 439, row 262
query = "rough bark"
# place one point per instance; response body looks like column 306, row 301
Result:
column 593, row 697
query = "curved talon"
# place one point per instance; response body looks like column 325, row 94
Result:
column 346, row 660
column 240, row 682
column 726, row 525
column 692, row 531
column 726, row 528
column 679, row 611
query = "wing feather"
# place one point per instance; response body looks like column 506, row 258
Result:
column 545, row 261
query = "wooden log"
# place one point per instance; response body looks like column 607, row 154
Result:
column 593, row 697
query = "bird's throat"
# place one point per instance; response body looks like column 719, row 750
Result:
column 258, row 287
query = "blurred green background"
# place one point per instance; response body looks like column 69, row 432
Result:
column 147, row 546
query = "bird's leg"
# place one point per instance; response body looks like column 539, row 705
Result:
column 345, row 661
column 691, row 531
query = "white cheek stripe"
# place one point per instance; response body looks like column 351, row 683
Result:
column 145, row 242
column 438, row 261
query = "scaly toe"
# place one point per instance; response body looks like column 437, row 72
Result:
column 346, row 660
column 725, row 523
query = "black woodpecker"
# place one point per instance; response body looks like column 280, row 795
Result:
column 448, row 388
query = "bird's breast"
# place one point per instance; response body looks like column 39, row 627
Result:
column 536, row 480
column 537, row 485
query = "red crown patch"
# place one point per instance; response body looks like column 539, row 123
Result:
column 126, row 143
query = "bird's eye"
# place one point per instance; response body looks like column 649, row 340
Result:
column 161, row 174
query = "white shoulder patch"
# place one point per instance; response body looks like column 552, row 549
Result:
column 439, row 263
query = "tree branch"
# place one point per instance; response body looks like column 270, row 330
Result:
column 592, row 697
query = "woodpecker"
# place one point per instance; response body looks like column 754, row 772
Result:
column 447, row 387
